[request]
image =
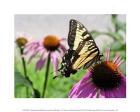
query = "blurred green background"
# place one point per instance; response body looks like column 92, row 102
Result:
column 60, row 87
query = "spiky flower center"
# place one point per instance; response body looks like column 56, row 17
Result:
column 51, row 42
column 21, row 41
column 106, row 75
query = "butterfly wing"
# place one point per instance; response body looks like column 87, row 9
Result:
column 82, row 51
column 80, row 40
column 66, row 65
column 77, row 33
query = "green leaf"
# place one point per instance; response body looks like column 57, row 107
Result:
column 36, row 93
column 123, row 54
column 21, row 80
column 118, row 24
column 117, row 46
column 121, row 26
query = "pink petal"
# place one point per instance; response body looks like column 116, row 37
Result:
column 119, row 63
column 93, row 94
column 29, row 44
column 88, row 91
column 40, row 63
column 63, row 38
column 102, row 94
column 73, row 92
column 63, row 48
column 107, row 54
column 117, row 57
column 82, row 85
column 86, row 77
column 108, row 94
column 84, row 88
column 119, row 92
column 34, row 53
column 55, row 62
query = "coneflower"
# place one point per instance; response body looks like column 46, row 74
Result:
column 50, row 49
column 104, row 80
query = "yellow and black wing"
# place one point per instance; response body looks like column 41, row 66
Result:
column 82, row 52
column 81, row 41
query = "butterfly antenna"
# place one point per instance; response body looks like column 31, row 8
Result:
column 55, row 77
column 58, row 75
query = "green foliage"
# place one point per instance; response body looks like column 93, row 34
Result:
column 56, row 88
column 21, row 80
column 118, row 24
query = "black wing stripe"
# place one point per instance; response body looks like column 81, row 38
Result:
column 85, row 33
column 72, row 33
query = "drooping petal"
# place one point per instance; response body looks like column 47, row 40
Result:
column 32, row 46
column 72, row 92
column 86, row 77
column 40, row 63
column 84, row 88
column 55, row 62
column 63, row 48
column 29, row 44
column 93, row 94
column 28, row 48
column 75, row 89
column 88, row 91
column 34, row 53
column 102, row 94
column 121, row 91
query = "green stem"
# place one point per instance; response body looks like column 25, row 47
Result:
column 36, row 93
column 23, row 62
column 24, row 69
column 46, row 76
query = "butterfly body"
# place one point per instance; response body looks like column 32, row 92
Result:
column 67, row 64
column 82, row 51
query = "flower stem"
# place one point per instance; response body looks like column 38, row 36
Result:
column 24, row 69
column 46, row 76
column 36, row 94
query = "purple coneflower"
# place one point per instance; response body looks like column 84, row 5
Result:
column 50, row 48
column 104, row 80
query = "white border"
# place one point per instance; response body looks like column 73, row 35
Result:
column 8, row 8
